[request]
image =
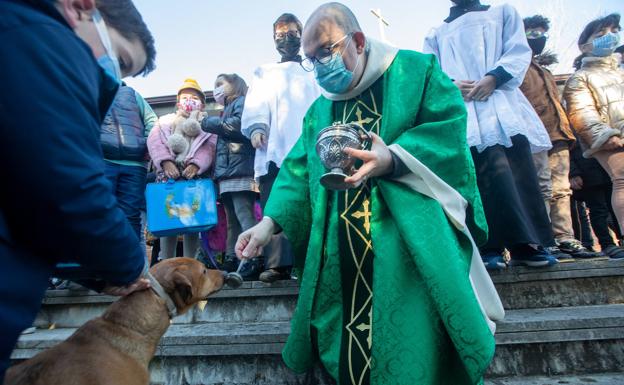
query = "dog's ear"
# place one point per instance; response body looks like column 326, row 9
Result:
column 179, row 286
column 183, row 286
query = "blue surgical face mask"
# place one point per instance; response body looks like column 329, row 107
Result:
column 108, row 65
column 334, row 76
column 108, row 61
column 605, row 45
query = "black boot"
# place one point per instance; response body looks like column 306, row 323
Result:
column 230, row 263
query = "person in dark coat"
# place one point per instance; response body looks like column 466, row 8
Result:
column 124, row 143
column 57, row 205
column 591, row 184
column 234, row 168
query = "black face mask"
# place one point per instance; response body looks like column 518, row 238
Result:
column 537, row 45
column 288, row 47
column 462, row 3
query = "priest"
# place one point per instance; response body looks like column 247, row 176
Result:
column 389, row 291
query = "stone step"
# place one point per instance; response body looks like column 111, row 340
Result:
column 579, row 283
column 567, row 284
column 595, row 379
column 571, row 340
column 181, row 340
column 252, row 302
column 566, row 340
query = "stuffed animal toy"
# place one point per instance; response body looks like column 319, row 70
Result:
column 184, row 130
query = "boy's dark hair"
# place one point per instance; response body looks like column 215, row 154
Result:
column 612, row 20
column 126, row 19
column 537, row 21
column 239, row 87
column 287, row 18
column 620, row 49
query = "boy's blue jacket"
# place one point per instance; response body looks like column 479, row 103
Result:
column 55, row 202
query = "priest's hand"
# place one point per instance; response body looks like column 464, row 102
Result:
column 251, row 242
column 465, row 86
column 377, row 161
column 483, row 89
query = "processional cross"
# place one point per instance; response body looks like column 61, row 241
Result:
column 383, row 23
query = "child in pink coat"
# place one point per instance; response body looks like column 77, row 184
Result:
column 180, row 149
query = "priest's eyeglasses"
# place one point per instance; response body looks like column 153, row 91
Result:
column 323, row 58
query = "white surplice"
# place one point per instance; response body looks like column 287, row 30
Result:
column 471, row 46
column 279, row 97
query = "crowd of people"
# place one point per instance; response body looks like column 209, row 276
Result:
column 524, row 149
column 516, row 114
column 242, row 149
column 478, row 117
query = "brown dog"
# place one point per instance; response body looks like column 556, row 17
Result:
column 117, row 347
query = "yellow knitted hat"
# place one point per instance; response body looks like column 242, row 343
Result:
column 191, row 84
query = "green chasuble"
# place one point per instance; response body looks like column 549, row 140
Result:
column 385, row 293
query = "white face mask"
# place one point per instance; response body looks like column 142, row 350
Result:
column 219, row 94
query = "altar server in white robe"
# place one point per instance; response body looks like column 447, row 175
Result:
column 485, row 51
column 278, row 99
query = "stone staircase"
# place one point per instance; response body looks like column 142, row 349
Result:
column 564, row 325
column 568, row 319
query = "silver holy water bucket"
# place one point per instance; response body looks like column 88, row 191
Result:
column 330, row 145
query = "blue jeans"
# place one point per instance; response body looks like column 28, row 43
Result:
column 129, row 188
